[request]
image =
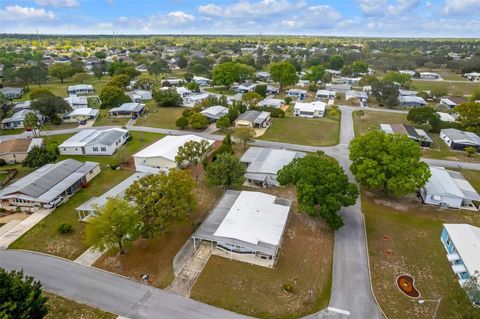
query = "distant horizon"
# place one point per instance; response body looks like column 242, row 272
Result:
column 346, row 18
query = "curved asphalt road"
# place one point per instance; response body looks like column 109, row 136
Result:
column 351, row 291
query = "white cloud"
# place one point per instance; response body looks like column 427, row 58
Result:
column 23, row 14
column 181, row 17
column 58, row 3
column 315, row 17
column 246, row 9
column 372, row 8
column 461, row 7
column 104, row 25
column 403, row 6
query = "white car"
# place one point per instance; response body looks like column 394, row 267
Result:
column 54, row 203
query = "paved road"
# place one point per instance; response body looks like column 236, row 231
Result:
column 107, row 291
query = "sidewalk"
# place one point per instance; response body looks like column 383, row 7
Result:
column 89, row 257
column 21, row 228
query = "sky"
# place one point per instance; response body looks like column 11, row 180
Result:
column 384, row 18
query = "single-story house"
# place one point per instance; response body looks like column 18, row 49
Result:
column 80, row 89
column 402, row 92
column 297, row 93
column 141, row 68
column 132, row 109
column 140, row 95
column 462, row 243
column 445, row 117
column 472, row 76
column 161, row 154
column 309, row 110
column 360, row 96
column 451, row 101
column 458, row 140
column 88, row 209
column 263, row 164
column 48, row 183
column 192, row 99
column 245, row 88
column 272, row 89
column 183, row 91
column 409, row 72
column 411, row 101
column 253, row 119
column 246, row 226
column 303, row 83
column 173, row 82
column 263, row 76
column 333, row 72
column 449, row 189
column 24, row 105
column 81, row 114
column 94, row 142
column 416, row 134
column 11, row 92
column 430, row 76
column 77, row 102
column 351, row 81
column 215, row 112
column 271, row 102
column 338, row 88
column 16, row 150
column 17, row 120
column 325, row 94
column 200, row 80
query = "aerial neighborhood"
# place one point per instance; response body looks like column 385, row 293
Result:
column 261, row 176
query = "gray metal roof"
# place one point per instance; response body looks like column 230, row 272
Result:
column 49, row 181
column 461, row 137
column 451, row 183
column 267, row 160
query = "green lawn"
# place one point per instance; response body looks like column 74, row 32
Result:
column 63, row 308
column 60, row 89
column 455, row 88
column 305, row 262
column 12, row 132
column 44, row 237
column 63, row 126
column 373, row 119
column 104, row 120
column 315, row 132
column 404, row 238
column 446, row 74
column 161, row 117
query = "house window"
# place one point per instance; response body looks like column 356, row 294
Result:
column 103, row 149
column 449, row 241
column 95, row 149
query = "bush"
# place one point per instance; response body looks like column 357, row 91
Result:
column 274, row 112
column 56, row 120
column 470, row 150
column 288, row 288
column 187, row 112
column 288, row 100
column 65, row 228
column 2, row 162
column 181, row 122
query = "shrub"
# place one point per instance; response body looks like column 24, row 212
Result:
column 470, row 150
column 2, row 162
column 55, row 119
column 288, row 288
column 288, row 100
column 65, row 228
column 181, row 122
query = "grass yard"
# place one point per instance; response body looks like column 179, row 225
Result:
column 446, row 74
column 161, row 117
column 63, row 308
column 454, row 88
column 373, row 119
column 44, row 237
column 12, row 132
column 60, row 89
column 404, row 238
column 155, row 256
column 305, row 262
column 63, row 126
column 104, row 120
column 315, row 132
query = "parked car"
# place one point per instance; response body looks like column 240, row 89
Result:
column 82, row 122
column 54, row 203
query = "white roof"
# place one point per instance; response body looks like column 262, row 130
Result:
column 271, row 102
column 80, row 87
column 128, row 107
column 268, row 160
column 92, row 136
column 168, row 146
column 215, row 111
column 85, row 111
column 407, row 92
column 445, row 117
column 310, row 107
column 466, row 239
column 326, row 92
column 198, row 97
column 450, row 183
column 254, row 218
column 200, row 78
